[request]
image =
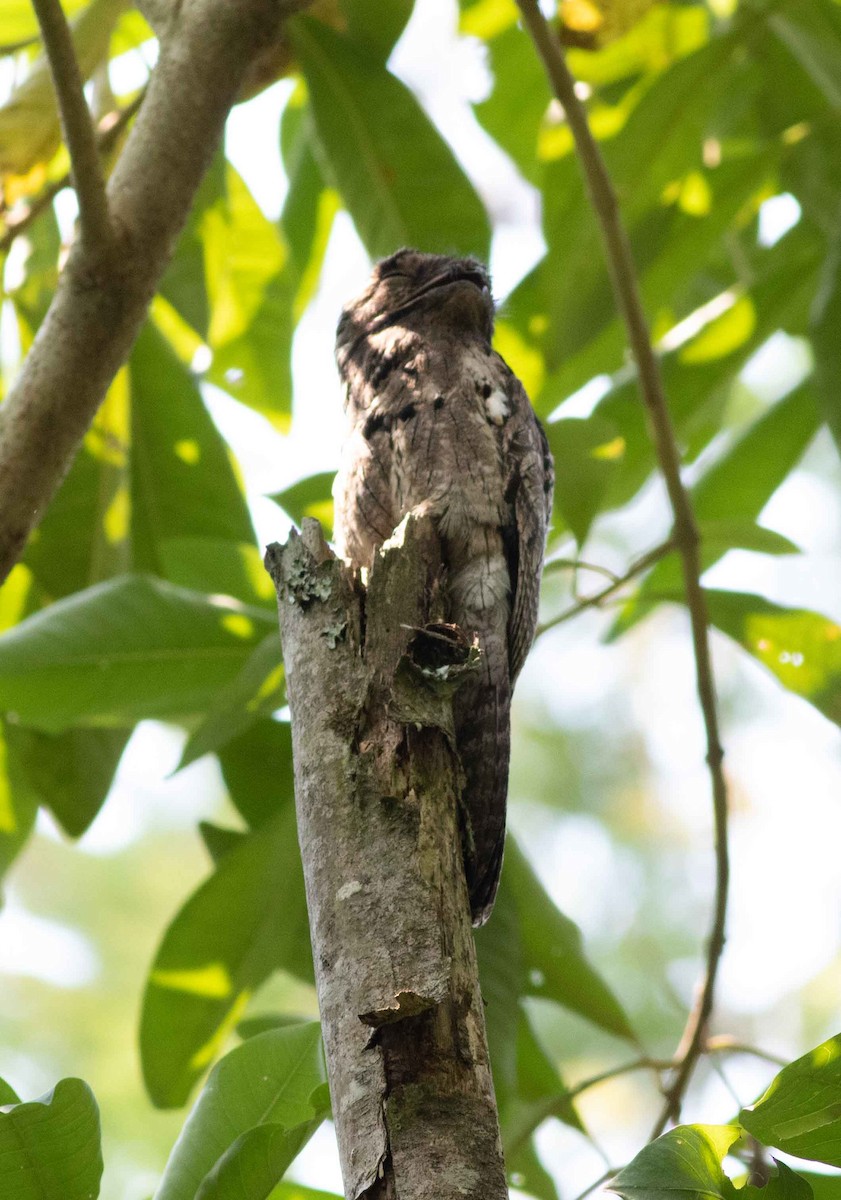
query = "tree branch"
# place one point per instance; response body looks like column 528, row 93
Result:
column 94, row 216
column 637, row 567
column 99, row 306
column 108, row 131
column 376, row 794
column 624, row 279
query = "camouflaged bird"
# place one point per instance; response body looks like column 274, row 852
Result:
column 438, row 419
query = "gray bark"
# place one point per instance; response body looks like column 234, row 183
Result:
column 207, row 49
column 376, row 784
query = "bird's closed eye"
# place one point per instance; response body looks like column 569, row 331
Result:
column 393, row 275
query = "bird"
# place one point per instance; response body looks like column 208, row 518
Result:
column 437, row 420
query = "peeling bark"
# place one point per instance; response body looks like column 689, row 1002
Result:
column 369, row 676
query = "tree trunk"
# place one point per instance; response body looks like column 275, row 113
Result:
column 377, row 779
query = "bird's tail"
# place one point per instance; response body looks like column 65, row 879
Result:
column 481, row 709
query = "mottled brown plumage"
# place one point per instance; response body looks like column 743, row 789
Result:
column 438, row 420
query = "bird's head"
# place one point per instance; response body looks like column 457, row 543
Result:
column 412, row 289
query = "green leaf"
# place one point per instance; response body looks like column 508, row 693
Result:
column 257, row 769
column 255, row 1162
column 71, row 773
column 261, row 1100
column 297, row 1191
column 50, row 1147
column 514, row 111
column 683, row 1164
column 130, row 648
column 252, row 293
column 526, row 1172
column 219, row 840
column 800, row 1112
column 18, row 807
column 826, row 322
column 802, row 648
column 84, row 536
column 374, row 26
column 310, row 206
column 309, row 497
column 246, row 920
column 29, row 124
column 219, row 566
column 257, row 691
column 811, row 31
column 824, row 1187
column 388, row 160
column 586, row 454
column 739, row 534
column 184, row 285
column 784, row 1184
column 554, row 966
column 182, row 482
column 8, row 1095
column 733, row 491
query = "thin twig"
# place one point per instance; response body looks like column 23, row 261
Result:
column 553, row 1106
column 603, row 1178
column 94, row 215
column 108, row 130
column 626, row 288
column 637, row 567
column 728, row 1045
column 578, row 564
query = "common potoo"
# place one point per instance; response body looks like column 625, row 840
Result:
column 438, row 419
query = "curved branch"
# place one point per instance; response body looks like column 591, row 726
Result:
column 99, row 306
column 637, row 567
column 94, row 217
column 686, row 536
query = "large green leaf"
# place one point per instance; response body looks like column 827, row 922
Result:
column 800, row 1112
column 246, row 920
column 184, row 285
column 811, row 31
column 252, row 293
column 310, row 206
column 50, row 1147
column 586, row 453
column 734, row 490
column 553, row 965
column 784, row 1184
column 256, row 692
column 29, row 124
column 514, row 111
column 257, row 769
column 182, row 482
column 398, row 178
column 258, row 1108
column 376, row 26
column 71, row 772
column 84, row 536
column 297, row 1191
column 826, row 324
column 802, row 648
column 130, row 648
column 309, row 497
column 18, row 805
column 683, row 1164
